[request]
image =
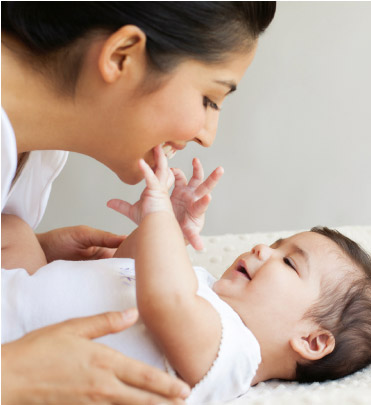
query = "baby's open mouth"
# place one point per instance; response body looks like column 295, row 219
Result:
column 241, row 268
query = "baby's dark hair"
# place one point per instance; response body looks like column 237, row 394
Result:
column 206, row 31
column 346, row 313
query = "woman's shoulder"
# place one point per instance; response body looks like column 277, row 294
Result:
column 8, row 157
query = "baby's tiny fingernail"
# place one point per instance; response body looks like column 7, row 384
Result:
column 184, row 393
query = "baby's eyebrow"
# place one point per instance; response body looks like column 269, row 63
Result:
column 277, row 243
column 302, row 253
column 295, row 248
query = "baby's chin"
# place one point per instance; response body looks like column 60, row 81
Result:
column 220, row 286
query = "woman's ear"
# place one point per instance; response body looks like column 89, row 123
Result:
column 126, row 45
column 316, row 345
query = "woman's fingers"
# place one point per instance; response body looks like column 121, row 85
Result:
column 92, row 327
column 208, row 185
column 147, row 378
column 126, row 395
column 104, row 376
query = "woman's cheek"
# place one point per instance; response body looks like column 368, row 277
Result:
column 189, row 126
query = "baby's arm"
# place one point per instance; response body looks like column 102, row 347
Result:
column 19, row 245
column 185, row 325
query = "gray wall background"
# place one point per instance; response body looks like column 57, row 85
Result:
column 295, row 140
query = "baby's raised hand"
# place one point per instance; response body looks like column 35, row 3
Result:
column 155, row 196
column 190, row 201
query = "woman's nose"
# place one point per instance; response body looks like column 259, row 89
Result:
column 262, row 252
column 207, row 134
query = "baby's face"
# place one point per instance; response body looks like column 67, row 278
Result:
column 272, row 287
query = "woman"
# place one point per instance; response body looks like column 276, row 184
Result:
column 110, row 80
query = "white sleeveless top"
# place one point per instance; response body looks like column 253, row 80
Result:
column 63, row 290
column 28, row 196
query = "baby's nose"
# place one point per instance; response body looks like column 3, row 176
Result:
column 263, row 252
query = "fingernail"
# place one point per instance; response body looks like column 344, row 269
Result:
column 130, row 314
column 184, row 393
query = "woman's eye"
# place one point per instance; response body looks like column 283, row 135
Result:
column 208, row 103
column 289, row 262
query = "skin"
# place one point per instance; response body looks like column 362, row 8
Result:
column 111, row 119
column 281, row 279
column 289, row 274
column 282, row 283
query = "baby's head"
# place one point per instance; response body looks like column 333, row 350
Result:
column 307, row 300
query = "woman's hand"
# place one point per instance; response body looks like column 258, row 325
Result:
column 59, row 364
column 78, row 243
column 190, row 201
column 155, row 196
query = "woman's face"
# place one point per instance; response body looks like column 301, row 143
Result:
column 184, row 108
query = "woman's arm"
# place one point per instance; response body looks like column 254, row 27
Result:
column 127, row 246
column 19, row 245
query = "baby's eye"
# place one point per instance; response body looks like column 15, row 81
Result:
column 289, row 262
column 208, row 103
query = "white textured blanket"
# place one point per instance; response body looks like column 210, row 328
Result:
column 219, row 253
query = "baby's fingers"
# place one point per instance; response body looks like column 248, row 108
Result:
column 180, row 178
column 170, row 179
column 200, row 206
column 149, row 176
column 162, row 168
column 195, row 240
column 123, row 207
column 198, row 173
column 208, row 185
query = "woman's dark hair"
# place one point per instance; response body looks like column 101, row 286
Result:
column 201, row 30
column 345, row 311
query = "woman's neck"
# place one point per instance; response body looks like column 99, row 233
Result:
column 39, row 117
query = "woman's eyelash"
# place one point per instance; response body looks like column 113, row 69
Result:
column 208, row 103
column 288, row 261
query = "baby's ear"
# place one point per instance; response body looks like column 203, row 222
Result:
column 316, row 345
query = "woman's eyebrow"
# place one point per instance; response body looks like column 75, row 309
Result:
column 228, row 83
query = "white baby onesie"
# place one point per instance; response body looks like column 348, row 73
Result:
column 62, row 290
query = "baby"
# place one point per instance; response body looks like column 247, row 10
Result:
column 296, row 310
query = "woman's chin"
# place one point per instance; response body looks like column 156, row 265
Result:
column 130, row 177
